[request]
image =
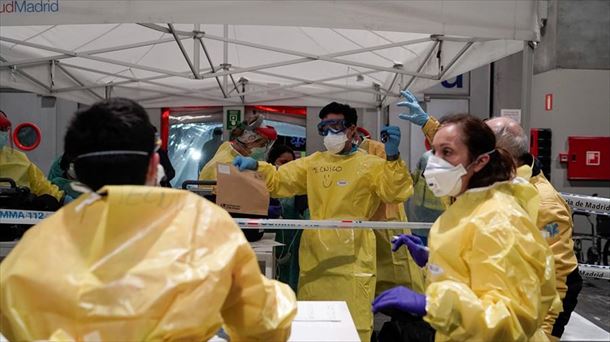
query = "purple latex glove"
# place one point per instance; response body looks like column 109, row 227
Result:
column 402, row 299
column 416, row 247
column 274, row 212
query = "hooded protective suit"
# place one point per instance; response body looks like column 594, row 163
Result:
column 553, row 219
column 225, row 155
column 555, row 222
column 16, row 165
column 490, row 273
column 339, row 264
column 393, row 268
column 139, row 264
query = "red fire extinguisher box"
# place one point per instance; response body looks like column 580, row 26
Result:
column 588, row 158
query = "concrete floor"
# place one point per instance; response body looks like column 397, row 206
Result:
column 594, row 302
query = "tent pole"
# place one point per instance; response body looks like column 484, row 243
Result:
column 423, row 64
column 75, row 80
column 43, row 60
column 225, row 55
column 320, row 95
column 184, row 53
column 322, row 82
column 95, row 58
column 207, row 55
column 28, row 77
column 526, row 84
column 196, row 52
column 455, row 59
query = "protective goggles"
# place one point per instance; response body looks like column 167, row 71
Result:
column 331, row 126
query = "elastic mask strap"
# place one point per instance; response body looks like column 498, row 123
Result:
column 479, row 158
column 112, row 153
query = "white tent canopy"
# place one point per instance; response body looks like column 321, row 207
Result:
column 253, row 52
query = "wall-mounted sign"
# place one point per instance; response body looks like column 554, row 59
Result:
column 514, row 114
column 548, row 102
column 233, row 118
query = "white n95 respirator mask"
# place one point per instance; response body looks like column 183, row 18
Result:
column 442, row 178
column 335, row 142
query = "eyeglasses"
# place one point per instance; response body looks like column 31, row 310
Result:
column 331, row 126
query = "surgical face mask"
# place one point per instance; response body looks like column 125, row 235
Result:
column 442, row 178
column 258, row 153
column 3, row 139
column 335, row 142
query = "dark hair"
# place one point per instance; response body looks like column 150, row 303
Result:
column 115, row 125
column 479, row 139
column 277, row 150
column 217, row 131
column 349, row 113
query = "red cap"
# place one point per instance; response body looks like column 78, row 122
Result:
column 5, row 124
column 267, row 132
column 427, row 144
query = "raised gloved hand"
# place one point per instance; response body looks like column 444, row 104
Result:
column 245, row 163
column 416, row 247
column 391, row 138
column 402, row 299
column 416, row 114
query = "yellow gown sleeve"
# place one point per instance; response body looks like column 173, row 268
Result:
column 40, row 185
column 392, row 181
column 430, row 128
column 503, row 301
column 288, row 180
column 555, row 220
column 256, row 308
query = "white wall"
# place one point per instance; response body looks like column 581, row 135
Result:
column 155, row 116
column 581, row 107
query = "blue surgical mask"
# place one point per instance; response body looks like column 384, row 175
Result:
column 258, row 153
column 3, row 139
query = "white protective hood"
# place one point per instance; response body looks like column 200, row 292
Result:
column 277, row 52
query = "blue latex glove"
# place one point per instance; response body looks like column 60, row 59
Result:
column 416, row 247
column 402, row 299
column 245, row 163
column 391, row 135
column 416, row 114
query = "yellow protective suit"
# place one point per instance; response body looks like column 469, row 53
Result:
column 225, row 154
column 16, row 165
column 393, row 268
column 339, row 264
column 555, row 221
column 139, row 264
column 490, row 272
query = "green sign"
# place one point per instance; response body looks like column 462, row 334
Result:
column 233, row 118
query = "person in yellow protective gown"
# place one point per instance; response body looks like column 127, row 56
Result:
column 341, row 183
column 490, row 271
column 135, row 263
column 16, row 165
column 554, row 220
column 393, row 268
column 252, row 138
column 554, row 215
